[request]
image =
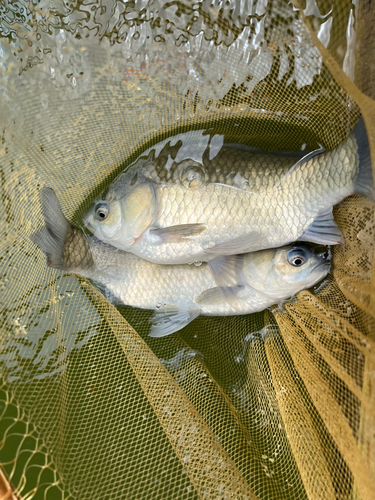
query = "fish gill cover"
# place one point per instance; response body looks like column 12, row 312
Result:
column 272, row 405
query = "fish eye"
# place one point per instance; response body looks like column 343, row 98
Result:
column 101, row 211
column 296, row 257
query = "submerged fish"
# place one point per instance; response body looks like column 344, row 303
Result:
column 182, row 206
column 179, row 293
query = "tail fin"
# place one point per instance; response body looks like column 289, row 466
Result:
column 364, row 184
column 51, row 237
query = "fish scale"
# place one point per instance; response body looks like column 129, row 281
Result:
column 178, row 293
column 230, row 201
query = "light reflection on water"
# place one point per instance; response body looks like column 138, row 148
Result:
column 30, row 336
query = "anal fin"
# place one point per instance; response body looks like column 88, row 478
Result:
column 323, row 230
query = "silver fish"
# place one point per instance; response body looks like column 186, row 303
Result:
column 178, row 293
column 184, row 205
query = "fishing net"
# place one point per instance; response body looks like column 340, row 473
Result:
column 274, row 405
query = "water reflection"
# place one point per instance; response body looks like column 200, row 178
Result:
column 33, row 349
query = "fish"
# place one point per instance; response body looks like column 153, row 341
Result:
column 177, row 293
column 181, row 205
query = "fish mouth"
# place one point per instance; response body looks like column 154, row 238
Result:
column 88, row 225
column 86, row 222
column 324, row 266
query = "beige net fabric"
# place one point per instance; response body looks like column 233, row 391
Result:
column 276, row 405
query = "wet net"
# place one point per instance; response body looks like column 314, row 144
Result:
column 274, row 405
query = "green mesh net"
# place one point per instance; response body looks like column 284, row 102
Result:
column 273, row 405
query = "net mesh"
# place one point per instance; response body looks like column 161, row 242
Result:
column 274, row 405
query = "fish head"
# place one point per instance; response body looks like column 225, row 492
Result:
column 299, row 266
column 104, row 219
column 120, row 221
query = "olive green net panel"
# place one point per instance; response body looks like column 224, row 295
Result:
column 274, row 405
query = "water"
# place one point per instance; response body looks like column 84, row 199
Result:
column 84, row 91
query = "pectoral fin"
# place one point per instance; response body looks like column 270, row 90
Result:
column 227, row 273
column 218, row 296
column 323, row 230
column 247, row 243
column 226, row 270
column 170, row 319
column 178, row 234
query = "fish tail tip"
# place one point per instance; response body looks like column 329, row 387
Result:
column 364, row 183
column 50, row 238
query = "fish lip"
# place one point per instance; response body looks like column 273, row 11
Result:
column 86, row 222
column 88, row 225
column 325, row 265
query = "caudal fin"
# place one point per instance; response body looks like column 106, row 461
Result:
column 51, row 237
column 364, row 184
